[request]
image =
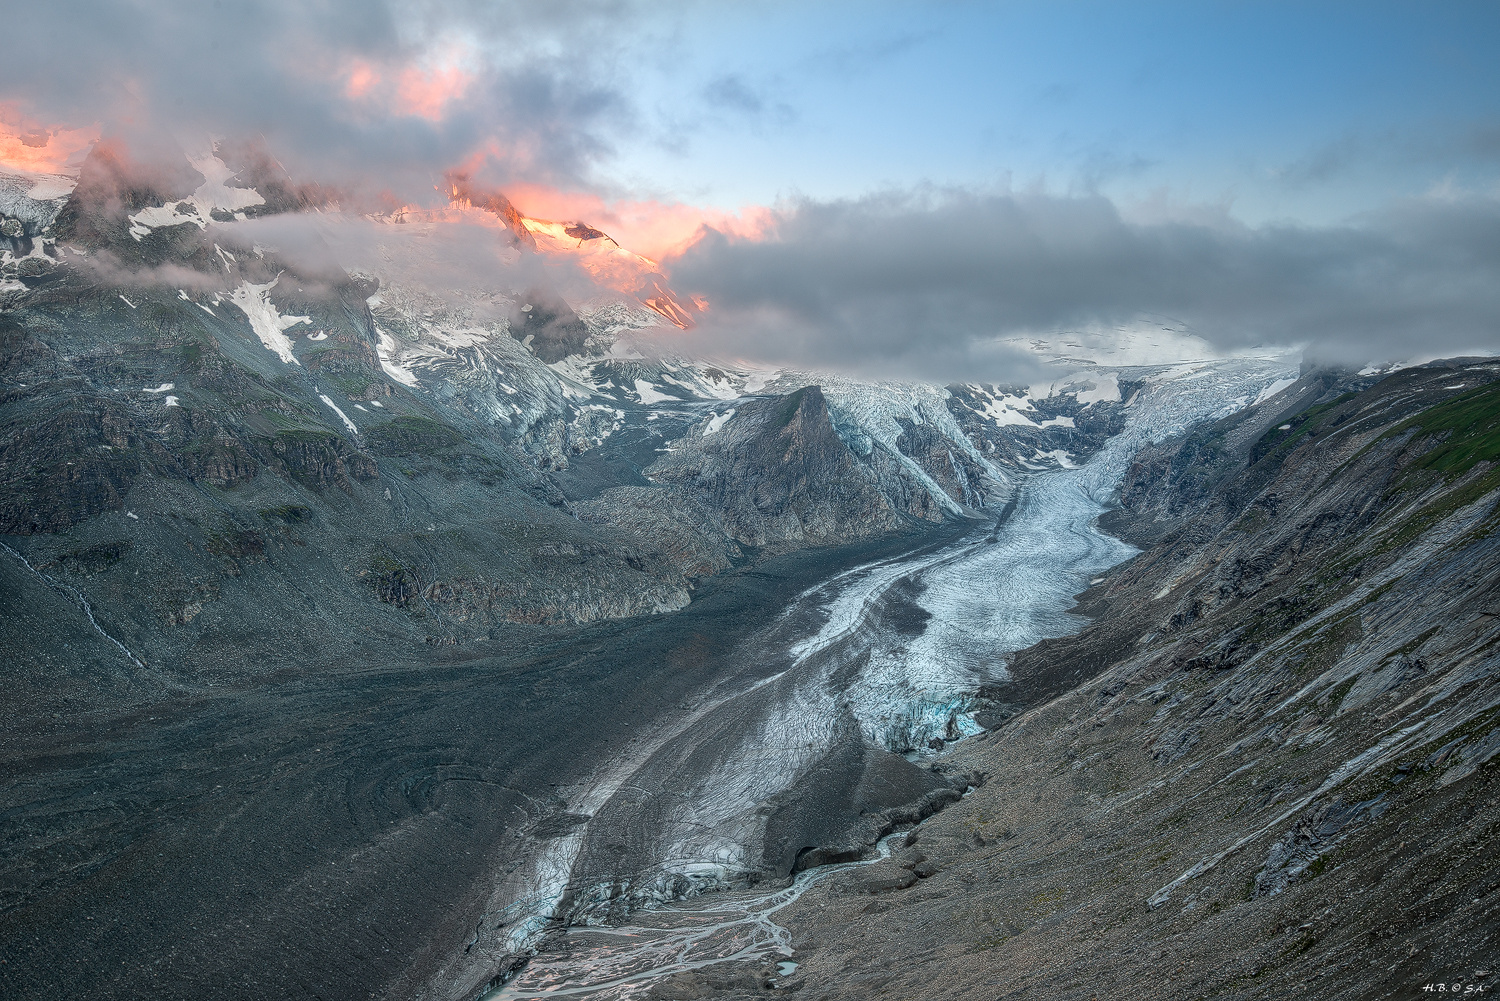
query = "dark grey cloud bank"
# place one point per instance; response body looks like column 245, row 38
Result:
column 541, row 84
column 924, row 285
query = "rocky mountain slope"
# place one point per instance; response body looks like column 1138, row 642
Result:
column 1267, row 769
column 237, row 484
column 214, row 438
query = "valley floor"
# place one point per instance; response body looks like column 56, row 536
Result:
column 337, row 834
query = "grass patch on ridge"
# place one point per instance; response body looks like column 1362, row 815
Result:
column 1471, row 422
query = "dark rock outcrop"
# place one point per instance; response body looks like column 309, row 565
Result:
column 548, row 325
column 672, row 521
column 1054, row 422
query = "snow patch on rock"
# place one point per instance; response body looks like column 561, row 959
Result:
column 342, row 416
column 1103, row 388
column 1004, row 410
column 198, row 208
column 389, row 354
column 1058, row 455
column 1273, row 389
column 717, row 422
column 647, row 393
column 267, row 322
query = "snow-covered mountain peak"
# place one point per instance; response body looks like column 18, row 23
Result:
column 593, row 250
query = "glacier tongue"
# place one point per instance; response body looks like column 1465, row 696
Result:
column 887, row 655
column 1015, row 587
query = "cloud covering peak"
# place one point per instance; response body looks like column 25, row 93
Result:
column 932, row 283
column 343, row 89
column 547, row 102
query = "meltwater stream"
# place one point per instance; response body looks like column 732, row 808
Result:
column 623, row 960
column 887, row 655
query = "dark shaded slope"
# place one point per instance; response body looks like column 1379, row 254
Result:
column 331, row 834
column 1214, row 470
column 249, row 505
column 781, row 476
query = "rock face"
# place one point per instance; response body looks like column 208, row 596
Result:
column 166, row 420
column 548, row 326
column 805, row 468
column 781, row 476
column 1015, row 429
column 691, row 535
column 1269, row 767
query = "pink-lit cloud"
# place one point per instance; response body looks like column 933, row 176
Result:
column 361, row 78
column 30, row 147
column 425, row 88
column 651, row 228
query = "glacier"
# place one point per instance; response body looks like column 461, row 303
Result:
column 891, row 654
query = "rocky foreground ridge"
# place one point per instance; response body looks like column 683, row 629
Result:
column 1267, row 770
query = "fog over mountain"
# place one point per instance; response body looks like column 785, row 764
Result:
column 926, row 283
column 379, row 95
column 377, row 102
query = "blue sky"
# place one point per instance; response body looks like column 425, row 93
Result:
column 1306, row 111
column 1299, row 111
